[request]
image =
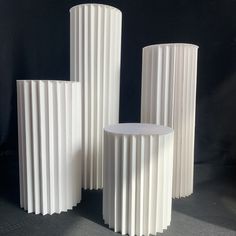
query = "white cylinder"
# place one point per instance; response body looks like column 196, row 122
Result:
column 95, row 45
column 169, row 76
column 138, row 168
column 49, row 130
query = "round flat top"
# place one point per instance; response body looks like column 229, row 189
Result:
column 171, row 45
column 51, row 81
column 138, row 129
column 95, row 5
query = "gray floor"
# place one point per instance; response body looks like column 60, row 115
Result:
column 211, row 210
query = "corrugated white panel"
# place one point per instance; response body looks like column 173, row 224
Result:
column 169, row 75
column 95, row 34
column 138, row 169
column 49, row 129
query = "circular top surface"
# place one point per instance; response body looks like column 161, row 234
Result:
column 53, row 81
column 94, row 4
column 138, row 129
column 171, row 44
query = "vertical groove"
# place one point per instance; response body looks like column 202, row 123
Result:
column 117, row 181
column 96, row 94
column 86, row 96
column 24, row 146
column 132, row 188
column 97, row 63
column 102, row 82
column 172, row 109
column 110, row 189
column 185, row 131
column 143, row 85
column 29, row 175
column 42, row 135
column 92, row 91
column 141, row 206
column 146, row 192
column 60, row 134
column 51, row 146
column 138, row 185
column 98, row 98
column 34, row 133
column 124, row 185
column 48, row 180
column 159, row 218
column 151, row 86
column 150, row 187
column 105, row 177
column 159, row 83
column 56, row 148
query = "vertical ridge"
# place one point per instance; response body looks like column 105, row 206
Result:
column 86, row 99
column 96, row 97
column 132, row 188
column 51, row 146
column 92, row 93
column 35, row 146
column 151, row 188
column 125, row 186
column 142, row 161
column 48, row 177
column 105, row 177
column 117, row 186
column 56, row 146
column 138, row 185
column 143, row 86
column 42, row 130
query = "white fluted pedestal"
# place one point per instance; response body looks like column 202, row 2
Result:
column 95, row 48
column 137, row 193
column 49, row 127
column 169, row 77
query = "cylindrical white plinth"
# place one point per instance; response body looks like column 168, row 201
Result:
column 95, row 62
column 49, row 129
column 169, row 77
column 137, row 192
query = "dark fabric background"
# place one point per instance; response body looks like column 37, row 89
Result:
column 34, row 44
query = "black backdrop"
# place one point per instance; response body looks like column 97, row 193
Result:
column 34, row 44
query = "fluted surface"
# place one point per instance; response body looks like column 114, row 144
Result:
column 137, row 193
column 95, row 62
column 169, row 75
column 49, row 129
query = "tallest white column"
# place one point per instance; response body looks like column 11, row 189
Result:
column 95, row 48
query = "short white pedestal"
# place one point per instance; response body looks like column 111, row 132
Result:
column 137, row 193
column 49, row 145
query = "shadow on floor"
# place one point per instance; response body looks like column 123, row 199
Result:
column 213, row 202
column 214, row 198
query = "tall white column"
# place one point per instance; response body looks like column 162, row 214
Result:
column 95, row 48
column 49, row 130
column 169, row 75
